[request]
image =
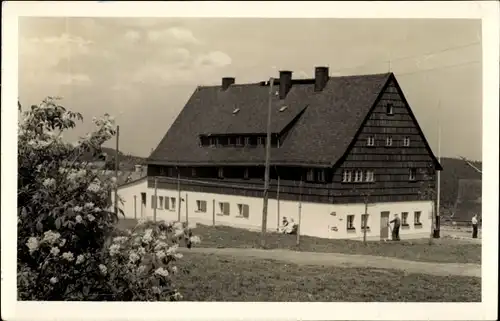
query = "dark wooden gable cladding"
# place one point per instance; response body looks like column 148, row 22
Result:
column 390, row 118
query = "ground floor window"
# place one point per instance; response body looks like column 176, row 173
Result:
column 416, row 218
column 224, row 208
column 172, row 203
column 243, row 210
column 201, row 206
column 404, row 219
column 364, row 221
column 350, row 222
column 161, row 202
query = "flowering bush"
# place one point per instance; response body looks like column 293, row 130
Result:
column 65, row 221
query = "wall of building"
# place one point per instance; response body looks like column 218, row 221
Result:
column 320, row 220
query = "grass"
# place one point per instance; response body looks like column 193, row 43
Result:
column 442, row 251
column 213, row 278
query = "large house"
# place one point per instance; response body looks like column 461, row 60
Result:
column 336, row 144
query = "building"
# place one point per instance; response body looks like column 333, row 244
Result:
column 335, row 142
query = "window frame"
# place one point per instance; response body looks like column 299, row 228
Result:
column 241, row 210
column 417, row 222
column 412, row 176
column 404, row 219
column 346, row 176
column 370, row 141
column 350, row 222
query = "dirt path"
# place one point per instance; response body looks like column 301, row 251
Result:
column 348, row 260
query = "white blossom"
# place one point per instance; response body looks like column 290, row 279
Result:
column 97, row 210
column 53, row 280
column 78, row 219
column 160, row 254
column 32, row 244
column 178, row 233
column 54, row 251
column 90, row 217
column 141, row 269
column 141, row 250
column 133, row 257
column 155, row 289
column 49, row 182
column 174, row 269
column 94, row 188
column 68, row 256
column 114, row 249
column 103, row 269
column 171, row 250
column 62, row 243
column 148, row 237
column 161, row 271
column 51, row 237
column 195, row 239
column 80, row 258
column 178, row 255
column 89, row 205
column 77, row 209
column 120, row 239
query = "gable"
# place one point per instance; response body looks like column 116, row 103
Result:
column 398, row 126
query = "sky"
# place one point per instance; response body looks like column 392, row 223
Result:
column 143, row 70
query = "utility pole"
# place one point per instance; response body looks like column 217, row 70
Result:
column 155, row 205
column 300, row 211
column 187, row 210
column 179, row 194
column 278, row 203
column 117, row 164
column 266, row 174
column 365, row 220
column 438, row 192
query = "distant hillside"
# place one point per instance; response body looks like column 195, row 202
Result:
column 454, row 170
column 127, row 162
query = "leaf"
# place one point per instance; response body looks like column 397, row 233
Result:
column 39, row 226
column 86, row 290
column 58, row 223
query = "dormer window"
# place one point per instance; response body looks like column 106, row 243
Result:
column 370, row 141
column 406, row 141
column 212, row 141
column 231, row 140
column 388, row 141
column 193, row 172
column 245, row 173
column 261, row 141
column 239, row 141
column 389, row 109
column 247, row 141
column 320, row 175
column 221, row 172
column 310, row 175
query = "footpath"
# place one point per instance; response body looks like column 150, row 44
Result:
column 346, row 260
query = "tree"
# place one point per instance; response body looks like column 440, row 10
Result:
column 427, row 191
column 65, row 248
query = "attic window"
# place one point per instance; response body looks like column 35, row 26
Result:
column 283, row 108
column 389, row 109
column 236, row 110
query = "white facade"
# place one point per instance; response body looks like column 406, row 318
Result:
column 319, row 220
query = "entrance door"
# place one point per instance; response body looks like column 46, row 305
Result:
column 143, row 203
column 384, row 222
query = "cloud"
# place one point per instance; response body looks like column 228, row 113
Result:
column 214, row 59
column 177, row 34
column 132, row 35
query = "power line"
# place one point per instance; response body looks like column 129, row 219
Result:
column 410, row 57
column 210, row 183
column 438, row 68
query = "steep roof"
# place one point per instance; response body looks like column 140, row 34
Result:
column 324, row 122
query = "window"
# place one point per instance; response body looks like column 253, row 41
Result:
column 221, row 172
column 370, row 141
column 243, row 210
column 320, row 175
column 358, row 176
column 231, row 140
column 389, row 109
column 364, row 219
column 161, row 202
column 167, row 203
column 413, row 174
column 247, row 141
column 260, row 141
column 201, row 206
column 416, row 218
column 153, row 201
column 170, row 172
column 239, row 141
column 369, row 176
column 404, row 219
column 212, row 142
column 350, row 222
column 310, row 175
column 406, row 141
column 172, row 202
column 193, row 172
column 224, row 208
column 388, row 141
column 346, row 176
column 245, row 173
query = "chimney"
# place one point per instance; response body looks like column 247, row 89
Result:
column 226, row 82
column 285, row 83
column 320, row 78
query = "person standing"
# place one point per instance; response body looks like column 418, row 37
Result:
column 395, row 229
column 474, row 226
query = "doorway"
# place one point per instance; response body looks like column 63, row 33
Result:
column 384, row 225
column 143, row 203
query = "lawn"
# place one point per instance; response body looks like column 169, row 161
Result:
column 213, row 278
column 443, row 250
